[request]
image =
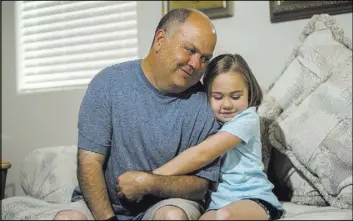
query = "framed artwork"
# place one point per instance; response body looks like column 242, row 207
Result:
column 293, row 10
column 213, row 9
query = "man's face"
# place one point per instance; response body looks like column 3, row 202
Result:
column 186, row 51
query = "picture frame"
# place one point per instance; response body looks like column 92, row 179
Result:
column 281, row 11
column 213, row 9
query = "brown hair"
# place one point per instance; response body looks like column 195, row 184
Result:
column 234, row 63
column 175, row 16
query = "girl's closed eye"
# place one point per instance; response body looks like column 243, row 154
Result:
column 217, row 97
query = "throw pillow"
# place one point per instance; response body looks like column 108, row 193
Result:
column 315, row 131
column 42, row 172
column 304, row 70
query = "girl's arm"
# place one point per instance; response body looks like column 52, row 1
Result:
column 198, row 156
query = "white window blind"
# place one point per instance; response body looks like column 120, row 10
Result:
column 65, row 43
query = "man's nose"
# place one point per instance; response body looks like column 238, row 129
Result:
column 195, row 61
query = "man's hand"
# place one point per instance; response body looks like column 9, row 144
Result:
column 133, row 185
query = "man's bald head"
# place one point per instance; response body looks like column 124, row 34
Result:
column 179, row 16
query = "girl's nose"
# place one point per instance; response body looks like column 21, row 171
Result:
column 227, row 104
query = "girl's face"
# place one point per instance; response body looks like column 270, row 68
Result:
column 228, row 95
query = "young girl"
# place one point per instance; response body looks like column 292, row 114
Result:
column 243, row 191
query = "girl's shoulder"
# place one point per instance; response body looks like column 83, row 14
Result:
column 247, row 117
column 244, row 125
column 249, row 113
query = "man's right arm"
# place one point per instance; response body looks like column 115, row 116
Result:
column 92, row 183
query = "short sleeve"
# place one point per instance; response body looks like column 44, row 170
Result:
column 245, row 125
column 94, row 121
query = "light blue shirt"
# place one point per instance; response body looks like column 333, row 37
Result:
column 241, row 170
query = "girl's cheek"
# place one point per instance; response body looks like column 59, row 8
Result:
column 215, row 105
column 243, row 106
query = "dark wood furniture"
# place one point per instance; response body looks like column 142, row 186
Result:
column 4, row 167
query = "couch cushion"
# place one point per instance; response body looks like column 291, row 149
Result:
column 50, row 173
column 290, row 184
column 29, row 208
column 315, row 131
column 303, row 212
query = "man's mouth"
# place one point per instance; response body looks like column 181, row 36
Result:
column 186, row 71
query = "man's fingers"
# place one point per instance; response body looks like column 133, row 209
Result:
column 120, row 194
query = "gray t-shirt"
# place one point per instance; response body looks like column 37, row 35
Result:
column 123, row 115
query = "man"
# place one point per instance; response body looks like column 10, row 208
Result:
column 138, row 115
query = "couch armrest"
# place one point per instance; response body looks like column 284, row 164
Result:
column 305, row 212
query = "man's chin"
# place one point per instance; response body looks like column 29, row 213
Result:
column 184, row 85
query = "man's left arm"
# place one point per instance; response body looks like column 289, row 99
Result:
column 133, row 185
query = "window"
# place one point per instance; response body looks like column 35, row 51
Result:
column 64, row 44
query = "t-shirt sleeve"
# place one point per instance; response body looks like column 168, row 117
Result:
column 94, row 120
column 245, row 125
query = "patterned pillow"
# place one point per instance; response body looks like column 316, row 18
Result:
column 268, row 111
column 315, row 131
column 50, row 173
column 304, row 70
column 301, row 74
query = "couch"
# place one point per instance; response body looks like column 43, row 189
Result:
column 306, row 127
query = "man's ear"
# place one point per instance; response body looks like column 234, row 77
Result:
column 159, row 39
